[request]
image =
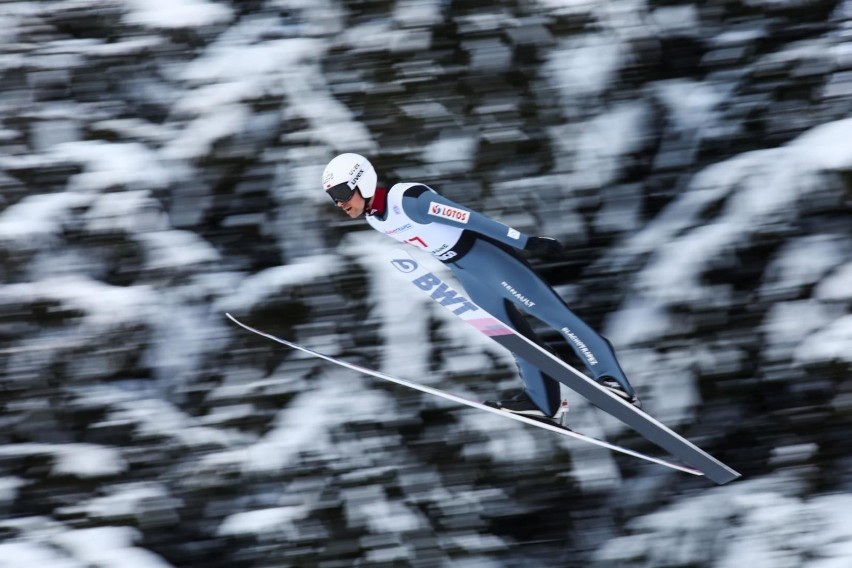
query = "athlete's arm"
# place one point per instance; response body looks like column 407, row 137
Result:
column 424, row 206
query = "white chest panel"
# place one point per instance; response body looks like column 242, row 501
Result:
column 434, row 238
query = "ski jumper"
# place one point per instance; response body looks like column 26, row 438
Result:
column 481, row 253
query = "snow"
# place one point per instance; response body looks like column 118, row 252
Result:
column 101, row 305
column 233, row 69
column 824, row 146
column 197, row 139
column 501, row 440
column 382, row 516
column 681, row 21
column 23, row 554
column 414, row 13
column 270, row 283
column 790, row 324
column 690, row 104
column 666, row 381
column 128, row 47
column 831, row 343
column 108, row 547
column 582, row 67
column 304, row 425
column 639, row 321
column 778, row 4
column 186, row 14
column 128, row 212
column 37, row 218
column 9, row 489
column 271, row 520
column 796, row 453
column 79, row 460
column 761, row 522
column 604, row 141
column 803, row 262
column 836, row 286
column 125, row 500
column 109, row 165
column 453, row 154
column 568, row 7
column 674, row 271
column 176, row 250
column 155, row 418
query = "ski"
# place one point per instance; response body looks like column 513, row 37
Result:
column 651, row 429
column 467, row 402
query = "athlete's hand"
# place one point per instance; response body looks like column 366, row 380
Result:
column 546, row 245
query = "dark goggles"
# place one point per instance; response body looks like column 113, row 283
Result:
column 340, row 192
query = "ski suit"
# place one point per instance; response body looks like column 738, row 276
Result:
column 480, row 252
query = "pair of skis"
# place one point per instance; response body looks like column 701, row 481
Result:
column 698, row 462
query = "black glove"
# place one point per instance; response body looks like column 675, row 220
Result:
column 546, row 245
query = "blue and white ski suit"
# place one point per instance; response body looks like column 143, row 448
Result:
column 480, row 253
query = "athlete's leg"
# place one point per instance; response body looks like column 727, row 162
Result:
column 594, row 350
column 517, row 281
column 542, row 389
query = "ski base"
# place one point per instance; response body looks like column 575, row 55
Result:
column 473, row 404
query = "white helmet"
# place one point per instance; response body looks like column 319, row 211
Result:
column 348, row 172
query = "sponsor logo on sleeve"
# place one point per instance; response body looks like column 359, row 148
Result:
column 514, row 234
column 446, row 212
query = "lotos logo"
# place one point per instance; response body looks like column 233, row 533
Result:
column 404, row 265
column 446, row 212
column 327, row 178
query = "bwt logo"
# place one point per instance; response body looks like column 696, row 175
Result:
column 440, row 291
column 443, row 294
column 453, row 213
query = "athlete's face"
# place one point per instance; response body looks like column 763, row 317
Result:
column 355, row 206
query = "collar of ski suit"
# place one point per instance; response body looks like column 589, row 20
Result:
column 379, row 203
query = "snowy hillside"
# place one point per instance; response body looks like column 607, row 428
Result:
column 160, row 165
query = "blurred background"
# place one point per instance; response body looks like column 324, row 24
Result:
column 160, row 164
